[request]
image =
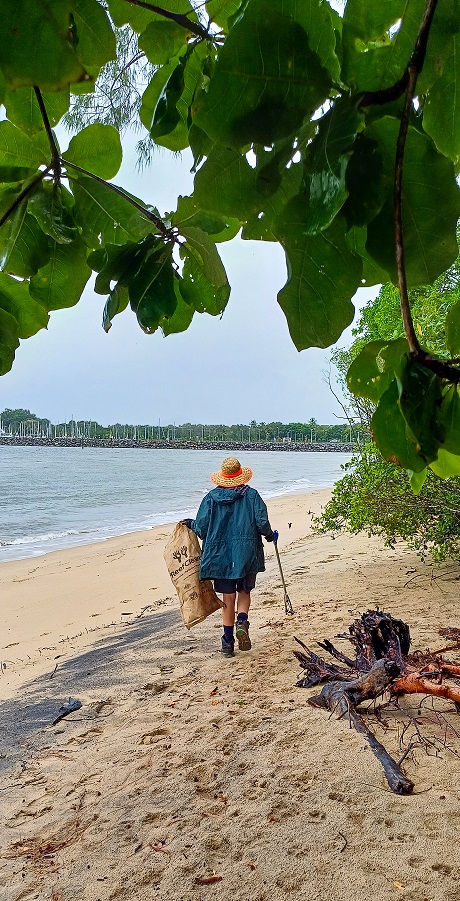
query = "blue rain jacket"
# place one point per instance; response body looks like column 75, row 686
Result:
column 230, row 522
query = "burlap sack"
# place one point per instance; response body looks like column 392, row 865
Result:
column 182, row 557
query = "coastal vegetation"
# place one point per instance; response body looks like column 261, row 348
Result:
column 374, row 496
column 335, row 134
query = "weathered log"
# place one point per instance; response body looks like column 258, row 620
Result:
column 418, row 683
column 343, row 698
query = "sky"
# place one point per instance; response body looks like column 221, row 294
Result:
column 234, row 369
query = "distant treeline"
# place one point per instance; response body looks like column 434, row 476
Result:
column 25, row 424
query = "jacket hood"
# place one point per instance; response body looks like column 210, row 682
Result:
column 229, row 495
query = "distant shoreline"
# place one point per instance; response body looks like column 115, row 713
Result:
column 313, row 447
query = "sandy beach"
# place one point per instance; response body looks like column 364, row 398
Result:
column 184, row 776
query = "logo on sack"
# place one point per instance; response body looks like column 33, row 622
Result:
column 182, row 552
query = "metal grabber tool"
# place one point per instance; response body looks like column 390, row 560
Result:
column 288, row 609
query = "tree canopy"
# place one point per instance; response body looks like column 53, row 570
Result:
column 337, row 136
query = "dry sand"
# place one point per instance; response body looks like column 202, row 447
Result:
column 187, row 777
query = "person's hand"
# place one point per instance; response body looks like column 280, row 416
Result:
column 275, row 536
column 187, row 522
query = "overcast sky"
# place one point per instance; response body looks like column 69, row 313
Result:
column 235, row 369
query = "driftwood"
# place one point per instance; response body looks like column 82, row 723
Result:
column 382, row 663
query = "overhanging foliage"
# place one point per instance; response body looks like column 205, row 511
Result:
column 337, row 137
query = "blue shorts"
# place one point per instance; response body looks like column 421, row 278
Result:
column 229, row 586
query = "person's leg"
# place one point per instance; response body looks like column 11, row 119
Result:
column 242, row 622
column 228, row 610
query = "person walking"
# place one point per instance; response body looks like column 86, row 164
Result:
column 230, row 522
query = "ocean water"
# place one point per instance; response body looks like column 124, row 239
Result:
column 56, row 497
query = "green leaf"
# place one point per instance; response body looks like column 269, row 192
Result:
column 449, row 420
column 152, row 293
column 23, row 246
column 372, row 273
column 180, row 319
column 429, row 185
column 219, row 228
column 317, row 18
column 266, row 81
column 263, row 226
column 121, row 263
column 226, row 184
column 154, row 91
column 52, row 213
column 60, row 283
column 392, row 434
column 161, row 41
column 323, row 274
column 376, row 49
column 116, row 302
column 23, row 110
column 441, row 112
column 34, row 45
column 204, row 282
column 219, row 11
column 15, row 299
column 123, row 13
column 368, row 375
column 453, row 329
column 417, row 480
column 365, row 183
column 9, row 340
column 326, row 165
column 203, row 252
column 420, row 399
column 96, row 148
column 17, row 149
column 95, row 40
column 103, row 213
column 447, row 465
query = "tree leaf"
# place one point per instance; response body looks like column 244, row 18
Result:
column 154, row 91
column 453, row 329
column 15, row 299
column 420, row 399
column 116, row 302
column 372, row 273
column 322, row 276
column 103, row 213
column 266, row 81
column 326, row 164
column 441, row 112
column 60, row 283
column 263, row 226
column 96, row 42
column 9, row 340
column 23, row 246
column 123, row 13
column 17, row 149
column 368, row 376
column 151, row 293
column 162, row 40
column 122, row 262
column 378, row 40
column 23, row 110
column 52, row 215
column 180, row 319
column 317, row 20
column 34, row 45
column 365, row 182
column 219, row 11
column 219, row 228
column 226, row 184
column 449, row 420
column 202, row 250
column 429, row 185
column 392, row 434
column 447, row 465
column 96, row 148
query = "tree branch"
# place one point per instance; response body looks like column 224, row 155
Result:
column 24, row 193
column 55, row 158
column 178, row 18
column 162, row 228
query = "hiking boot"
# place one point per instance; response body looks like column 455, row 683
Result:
column 242, row 635
column 228, row 648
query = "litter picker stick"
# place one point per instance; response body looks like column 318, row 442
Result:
column 288, row 609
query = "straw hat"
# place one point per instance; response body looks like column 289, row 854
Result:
column 231, row 474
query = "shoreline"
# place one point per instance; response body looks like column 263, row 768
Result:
column 305, row 446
